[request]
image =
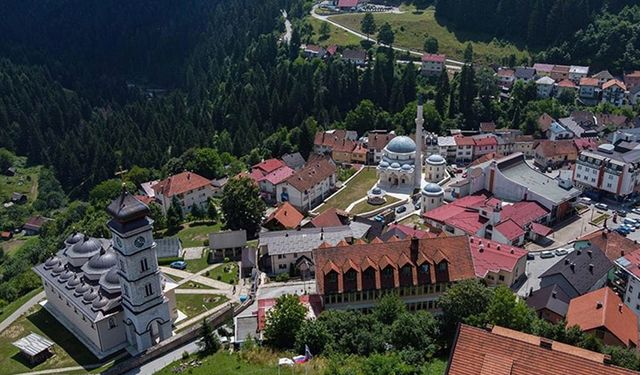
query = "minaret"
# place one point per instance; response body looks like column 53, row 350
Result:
column 418, row 162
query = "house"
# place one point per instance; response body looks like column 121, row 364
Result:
column 332, row 50
column 343, row 150
column 478, row 215
column 346, row 5
column 506, row 77
column 589, row 88
column 585, row 144
column 496, row 263
column 433, row 64
column 560, row 72
column 313, row 51
column 358, row 57
column 147, row 188
column 544, row 123
column 545, row 87
column 6, row 235
column 294, row 161
column 448, row 148
column 550, row 303
column 291, row 250
column 581, row 124
column 500, row 351
column 190, row 189
column 627, row 276
column 269, row 183
column 33, row 226
column 464, row 149
column 376, row 141
column 610, row 169
column 555, row 154
column 634, row 95
column 543, row 70
column 603, row 77
column 524, row 74
column 309, row 186
column 525, row 145
column 284, row 217
column 484, row 144
column 331, row 217
column 614, row 92
column 324, row 142
column 18, row 198
column 576, row 72
column 218, row 185
column 558, row 132
column 11, row 171
column 228, row 244
column 512, row 179
column 566, row 86
column 580, row 272
column 603, row 314
column 632, row 79
column 402, row 232
column 418, row 270
column 168, row 247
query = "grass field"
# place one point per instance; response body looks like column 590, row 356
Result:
column 338, row 36
column 412, row 28
column 413, row 220
column 13, row 306
column 25, row 181
column 68, row 350
column 194, row 304
column 365, row 206
column 195, row 265
column 17, row 242
column 194, row 234
column 227, row 273
column 355, row 189
column 193, row 285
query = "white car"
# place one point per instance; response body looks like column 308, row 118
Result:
column 602, row 206
column 547, row 254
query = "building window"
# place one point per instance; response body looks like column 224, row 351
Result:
column 148, row 290
column 629, row 299
column 501, row 277
column 143, row 265
column 442, row 266
column 630, row 288
column 112, row 323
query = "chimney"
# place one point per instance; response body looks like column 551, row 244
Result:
column 607, row 359
column 554, row 294
column 489, row 327
column 590, row 253
column 488, row 245
column 599, row 305
column 286, row 234
column 604, row 234
column 188, row 175
column 620, row 307
column 573, row 267
column 621, row 253
column 512, row 251
column 498, row 247
column 481, row 248
column 471, row 239
column 546, row 343
column 591, row 267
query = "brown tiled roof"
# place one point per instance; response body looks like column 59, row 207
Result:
column 614, row 82
column 180, row 183
column 586, row 81
column 330, row 139
column 286, row 215
column 549, row 148
column 312, row 173
column 488, row 126
column 332, row 217
column 455, row 250
column 603, row 308
column 379, row 141
column 502, row 351
column 344, row 145
column 613, row 244
column 544, row 122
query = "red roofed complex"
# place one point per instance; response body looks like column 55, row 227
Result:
column 347, row 4
column 189, row 188
column 501, row 351
column 497, row 263
column 602, row 313
column 331, row 217
column 284, row 217
column 311, row 302
column 324, row 142
column 268, row 166
column 310, row 186
column 433, row 64
column 419, row 270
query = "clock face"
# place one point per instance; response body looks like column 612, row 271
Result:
column 139, row 241
column 119, row 241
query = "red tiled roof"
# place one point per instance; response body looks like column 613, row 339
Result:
column 548, row 148
column 330, row 138
column 180, row 183
column 502, row 351
column 494, row 256
column 613, row 244
column 332, row 49
column 464, row 141
column 586, row 81
column 585, row 143
column 541, row 230
column 545, row 121
column 311, row 174
column 614, row 82
column 431, row 57
column 633, row 265
column 347, row 3
column 330, row 218
column 565, row 83
column 144, row 199
column 510, row 230
column 561, row 69
column 486, row 141
column 379, row 141
column 524, row 212
column 286, row 215
column 603, row 308
column 344, row 145
column 313, row 48
column 506, row 73
column 279, row 175
column 268, row 166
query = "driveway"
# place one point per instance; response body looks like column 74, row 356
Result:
column 535, row 268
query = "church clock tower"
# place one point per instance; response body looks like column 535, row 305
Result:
column 146, row 309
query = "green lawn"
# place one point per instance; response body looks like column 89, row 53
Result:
column 193, row 285
column 13, row 306
column 413, row 220
column 226, row 272
column 365, row 206
column 194, row 304
column 194, row 234
column 195, row 265
column 68, row 350
column 355, row 189
column 25, row 181
column 338, row 36
column 411, row 30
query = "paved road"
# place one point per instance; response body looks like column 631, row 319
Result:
column 450, row 64
column 21, row 310
column 163, row 361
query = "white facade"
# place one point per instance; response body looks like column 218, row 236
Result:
column 544, row 87
column 435, row 169
column 602, row 172
column 199, row 197
column 432, row 197
column 577, row 72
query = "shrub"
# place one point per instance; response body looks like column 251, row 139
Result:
column 205, row 242
column 167, row 261
column 185, row 355
column 283, row 277
column 219, row 277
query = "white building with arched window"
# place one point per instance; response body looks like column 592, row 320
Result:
column 397, row 167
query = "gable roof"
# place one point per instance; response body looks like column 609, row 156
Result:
column 180, row 183
column 568, row 84
column 303, row 240
column 354, row 54
column 552, row 298
column 293, row 161
column 228, row 239
column 544, row 122
column 268, row 166
column 286, row 215
column 501, row 351
column 549, row 149
column 331, row 217
column 277, row 176
column 542, row 67
column 603, row 74
column 432, row 57
column 612, row 243
column 378, row 141
column 614, row 82
column 603, row 308
column 312, row 174
column 402, row 232
column 491, row 256
column 586, row 81
column 576, row 268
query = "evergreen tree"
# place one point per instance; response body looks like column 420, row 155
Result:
column 431, row 45
column 209, row 343
column 442, row 93
column 468, row 53
column 212, row 210
column 386, row 35
column 324, row 31
column 368, row 24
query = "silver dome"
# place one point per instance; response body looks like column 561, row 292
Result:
column 435, row 159
column 432, row 188
column 401, row 145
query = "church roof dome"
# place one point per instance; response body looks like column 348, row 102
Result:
column 82, row 288
column 52, row 262
column 100, row 303
column 66, row 275
column 74, row 238
column 58, row 269
column 75, row 281
column 104, row 260
column 90, row 295
column 432, row 189
column 435, row 159
column 110, row 281
column 88, row 246
column 127, row 208
column 406, row 167
column 401, row 145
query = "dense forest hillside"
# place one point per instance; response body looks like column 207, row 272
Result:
column 595, row 32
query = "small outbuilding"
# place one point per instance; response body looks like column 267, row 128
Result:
column 35, row 347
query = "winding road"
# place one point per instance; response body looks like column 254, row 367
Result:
column 453, row 65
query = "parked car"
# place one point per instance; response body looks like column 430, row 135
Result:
column 602, row 206
column 464, row 175
column 585, row 200
column 561, row 251
column 546, row 254
column 630, row 221
column 531, row 256
column 636, row 211
column 622, row 231
column 622, row 213
column 178, row 264
column 379, row 218
column 401, row 209
column 630, row 228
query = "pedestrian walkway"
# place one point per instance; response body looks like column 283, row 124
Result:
column 21, row 310
column 200, row 317
column 199, row 291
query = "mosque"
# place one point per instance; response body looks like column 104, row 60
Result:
column 401, row 168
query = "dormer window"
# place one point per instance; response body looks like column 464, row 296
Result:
column 442, row 266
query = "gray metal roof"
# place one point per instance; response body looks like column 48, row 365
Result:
column 33, row 344
column 294, row 161
column 168, row 247
column 552, row 298
column 126, row 208
column 576, row 268
column 517, row 170
column 303, row 240
column 228, row 239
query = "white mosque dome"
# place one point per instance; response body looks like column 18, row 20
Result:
column 401, row 145
column 435, row 159
column 395, row 165
column 406, row 167
column 432, row 189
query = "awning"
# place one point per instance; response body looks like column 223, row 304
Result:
column 541, row 230
column 33, row 344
